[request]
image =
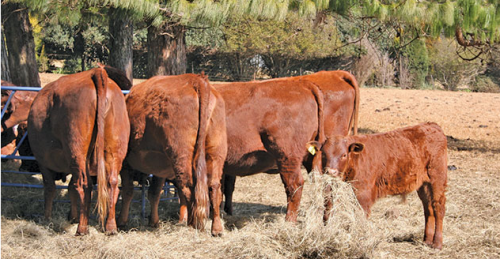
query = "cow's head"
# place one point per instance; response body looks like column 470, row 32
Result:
column 338, row 154
column 18, row 109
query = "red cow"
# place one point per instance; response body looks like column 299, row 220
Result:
column 14, row 125
column 268, row 123
column 395, row 163
column 341, row 107
column 19, row 107
column 79, row 125
column 178, row 132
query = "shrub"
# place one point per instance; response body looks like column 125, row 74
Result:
column 485, row 84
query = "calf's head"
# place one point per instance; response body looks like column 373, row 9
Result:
column 338, row 154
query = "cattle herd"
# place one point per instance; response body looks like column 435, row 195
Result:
column 201, row 136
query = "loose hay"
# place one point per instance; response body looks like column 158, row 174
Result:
column 346, row 234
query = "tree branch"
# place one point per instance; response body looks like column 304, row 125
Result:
column 463, row 42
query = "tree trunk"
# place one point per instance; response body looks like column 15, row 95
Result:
column 5, row 62
column 20, row 45
column 121, row 32
column 166, row 50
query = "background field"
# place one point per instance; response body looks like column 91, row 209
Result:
column 257, row 230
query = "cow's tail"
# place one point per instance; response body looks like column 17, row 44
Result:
column 100, row 79
column 350, row 79
column 201, row 209
column 320, row 137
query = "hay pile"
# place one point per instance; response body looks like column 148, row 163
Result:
column 347, row 234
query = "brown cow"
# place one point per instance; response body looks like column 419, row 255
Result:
column 14, row 125
column 395, row 163
column 341, row 107
column 19, row 107
column 267, row 124
column 178, row 132
column 79, row 125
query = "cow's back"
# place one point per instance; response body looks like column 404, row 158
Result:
column 164, row 116
column 396, row 162
column 63, row 112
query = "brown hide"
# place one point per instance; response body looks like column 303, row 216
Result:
column 79, row 125
column 9, row 142
column 178, row 125
column 341, row 98
column 268, row 126
column 19, row 106
column 341, row 107
column 395, row 163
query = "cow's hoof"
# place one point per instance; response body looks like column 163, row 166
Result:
column 154, row 224
column 111, row 232
column 218, row 233
column 437, row 246
column 81, row 233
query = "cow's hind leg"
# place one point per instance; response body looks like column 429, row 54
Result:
column 184, row 183
column 49, row 191
column 83, row 185
column 214, row 166
column 114, row 191
column 154, row 199
column 127, row 195
column 74, row 201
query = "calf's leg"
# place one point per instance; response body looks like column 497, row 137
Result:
column 366, row 199
column 438, row 186
column 425, row 194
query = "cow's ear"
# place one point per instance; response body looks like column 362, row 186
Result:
column 313, row 147
column 356, row 148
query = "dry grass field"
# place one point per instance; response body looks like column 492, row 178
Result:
column 257, row 230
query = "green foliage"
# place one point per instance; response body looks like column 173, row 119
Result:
column 278, row 42
column 42, row 60
column 212, row 37
column 418, row 59
column 59, row 36
column 480, row 18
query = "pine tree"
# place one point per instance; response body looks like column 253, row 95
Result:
column 20, row 45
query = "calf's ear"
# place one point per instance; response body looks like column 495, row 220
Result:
column 313, row 147
column 356, row 148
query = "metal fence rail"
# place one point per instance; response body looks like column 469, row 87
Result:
column 167, row 187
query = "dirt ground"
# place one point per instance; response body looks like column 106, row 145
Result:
column 395, row 229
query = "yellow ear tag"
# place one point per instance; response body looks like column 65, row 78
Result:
column 312, row 150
